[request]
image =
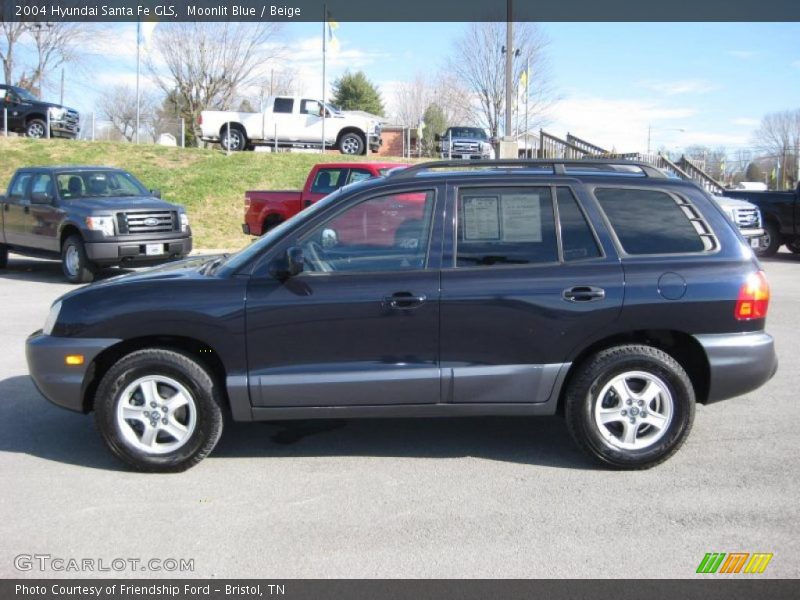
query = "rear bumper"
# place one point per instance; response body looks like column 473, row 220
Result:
column 739, row 362
column 134, row 251
column 61, row 384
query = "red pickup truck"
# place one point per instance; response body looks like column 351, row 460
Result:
column 263, row 210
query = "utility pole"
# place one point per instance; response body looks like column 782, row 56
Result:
column 61, row 101
column 508, row 147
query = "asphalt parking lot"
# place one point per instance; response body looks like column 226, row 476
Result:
column 400, row 498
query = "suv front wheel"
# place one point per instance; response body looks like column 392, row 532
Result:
column 158, row 410
column 630, row 407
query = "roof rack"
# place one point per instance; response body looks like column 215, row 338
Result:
column 557, row 165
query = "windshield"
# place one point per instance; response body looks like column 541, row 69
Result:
column 242, row 257
column 25, row 95
column 474, row 133
column 98, row 184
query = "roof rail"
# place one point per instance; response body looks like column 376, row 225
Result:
column 557, row 165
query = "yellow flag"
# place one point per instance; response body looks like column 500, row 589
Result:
column 523, row 81
column 332, row 27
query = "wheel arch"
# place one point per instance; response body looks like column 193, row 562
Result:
column 67, row 230
column 198, row 350
column 681, row 346
column 272, row 219
column 35, row 115
column 351, row 129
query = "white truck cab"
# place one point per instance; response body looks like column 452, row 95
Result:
column 291, row 121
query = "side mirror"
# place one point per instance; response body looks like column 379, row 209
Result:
column 295, row 261
column 156, row 193
column 437, row 138
column 40, row 198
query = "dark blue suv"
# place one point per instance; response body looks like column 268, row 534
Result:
column 600, row 288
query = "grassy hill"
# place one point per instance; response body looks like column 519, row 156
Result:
column 210, row 184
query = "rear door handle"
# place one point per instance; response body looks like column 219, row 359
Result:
column 404, row 301
column 583, row 293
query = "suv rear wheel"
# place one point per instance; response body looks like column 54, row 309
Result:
column 630, row 407
column 76, row 265
column 159, row 411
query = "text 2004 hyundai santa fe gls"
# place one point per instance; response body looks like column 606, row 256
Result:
column 511, row 289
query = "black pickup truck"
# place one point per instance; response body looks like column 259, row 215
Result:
column 780, row 212
column 89, row 217
column 27, row 115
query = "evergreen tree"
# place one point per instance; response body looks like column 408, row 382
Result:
column 353, row 91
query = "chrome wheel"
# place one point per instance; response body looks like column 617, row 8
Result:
column 351, row 144
column 233, row 141
column 36, row 130
column 72, row 261
column 156, row 414
column 633, row 410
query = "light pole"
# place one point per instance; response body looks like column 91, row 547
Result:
column 650, row 129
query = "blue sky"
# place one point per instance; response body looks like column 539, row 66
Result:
column 714, row 81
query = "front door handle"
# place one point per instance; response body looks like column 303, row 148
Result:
column 404, row 300
column 27, row 210
column 583, row 293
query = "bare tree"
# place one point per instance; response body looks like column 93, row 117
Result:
column 413, row 98
column 118, row 105
column 10, row 34
column 478, row 62
column 207, row 64
column 778, row 138
column 56, row 44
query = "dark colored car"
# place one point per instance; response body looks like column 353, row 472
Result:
column 780, row 212
column 27, row 115
column 518, row 288
column 89, row 217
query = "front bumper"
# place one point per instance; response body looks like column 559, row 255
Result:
column 739, row 362
column 135, row 251
column 63, row 385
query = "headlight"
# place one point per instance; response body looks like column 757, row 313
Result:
column 184, row 222
column 57, row 113
column 52, row 318
column 104, row 224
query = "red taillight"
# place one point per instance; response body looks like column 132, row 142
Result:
column 753, row 300
column 246, row 202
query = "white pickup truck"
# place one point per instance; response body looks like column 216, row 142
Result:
column 291, row 122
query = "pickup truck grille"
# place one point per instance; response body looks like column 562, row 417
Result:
column 466, row 148
column 153, row 221
column 72, row 119
column 747, row 218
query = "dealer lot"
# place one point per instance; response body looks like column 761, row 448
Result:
column 490, row 497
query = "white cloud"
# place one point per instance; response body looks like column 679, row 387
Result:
column 685, row 86
column 742, row 54
column 746, row 122
column 621, row 125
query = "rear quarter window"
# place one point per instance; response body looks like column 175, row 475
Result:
column 654, row 222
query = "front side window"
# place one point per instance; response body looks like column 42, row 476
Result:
column 17, row 191
column 42, row 184
column 505, row 226
column 311, row 107
column 283, row 105
column 653, row 222
column 385, row 233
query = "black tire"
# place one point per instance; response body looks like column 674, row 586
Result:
column 36, row 128
column 3, row 256
column 75, row 264
column 238, row 139
column 352, row 143
column 170, row 365
column 794, row 246
column 770, row 242
column 590, row 380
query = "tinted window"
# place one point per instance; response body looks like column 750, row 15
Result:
column 650, row 222
column 386, row 233
column 19, row 187
column 328, row 180
column 283, row 105
column 576, row 235
column 498, row 226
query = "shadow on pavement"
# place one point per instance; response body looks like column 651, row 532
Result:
column 29, row 424
column 44, row 271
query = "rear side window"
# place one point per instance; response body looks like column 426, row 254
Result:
column 654, row 222
column 18, row 188
column 505, row 226
column 328, row 180
column 576, row 235
column 283, row 105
